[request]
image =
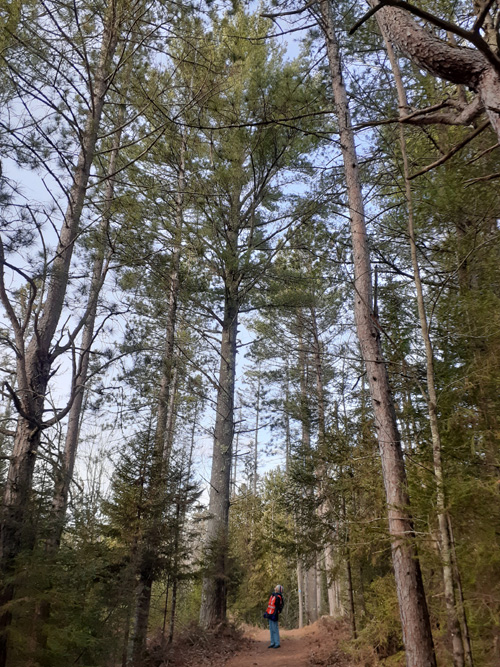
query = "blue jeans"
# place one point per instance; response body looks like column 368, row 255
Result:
column 274, row 629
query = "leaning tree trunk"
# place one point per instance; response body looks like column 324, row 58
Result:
column 99, row 271
column 416, row 628
column 35, row 363
column 458, row 651
column 64, row 475
column 457, row 64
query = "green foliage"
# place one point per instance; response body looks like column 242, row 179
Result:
column 381, row 636
column 262, row 551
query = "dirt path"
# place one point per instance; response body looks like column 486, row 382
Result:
column 317, row 644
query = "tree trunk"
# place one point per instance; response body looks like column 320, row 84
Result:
column 34, row 366
column 256, row 441
column 461, row 602
column 331, row 582
column 417, row 635
column 213, row 599
column 63, row 480
column 288, row 440
column 313, row 592
column 350, row 588
column 321, row 472
column 165, row 422
column 307, row 608
column 165, row 607
column 141, row 619
column 172, row 610
column 175, row 574
column 126, row 634
column 235, row 456
column 319, row 584
column 300, row 584
column 449, row 587
column 305, row 420
column 460, row 65
column 164, row 418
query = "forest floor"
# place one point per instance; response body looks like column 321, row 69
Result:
column 315, row 645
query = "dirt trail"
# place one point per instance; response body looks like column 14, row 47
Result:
column 317, row 644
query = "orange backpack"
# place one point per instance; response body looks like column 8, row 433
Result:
column 271, row 606
column 274, row 600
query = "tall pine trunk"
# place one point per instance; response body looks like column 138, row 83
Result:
column 321, row 469
column 34, row 365
column 310, row 579
column 164, row 431
column 214, row 590
column 454, row 629
column 64, row 474
column 415, row 622
column 300, row 590
column 143, row 591
column 213, row 600
column 99, row 271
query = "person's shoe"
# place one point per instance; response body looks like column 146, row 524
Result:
column 271, row 646
column 279, row 646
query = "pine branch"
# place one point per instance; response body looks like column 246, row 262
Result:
column 451, row 153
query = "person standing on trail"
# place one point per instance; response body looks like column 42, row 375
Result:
column 274, row 608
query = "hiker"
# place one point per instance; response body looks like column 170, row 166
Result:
column 274, row 607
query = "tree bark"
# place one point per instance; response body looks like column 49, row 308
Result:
column 141, row 618
column 321, row 473
column 213, row 599
column 256, row 440
column 457, row 64
column 445, row 542
column 300, row 585
column 417, row 635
